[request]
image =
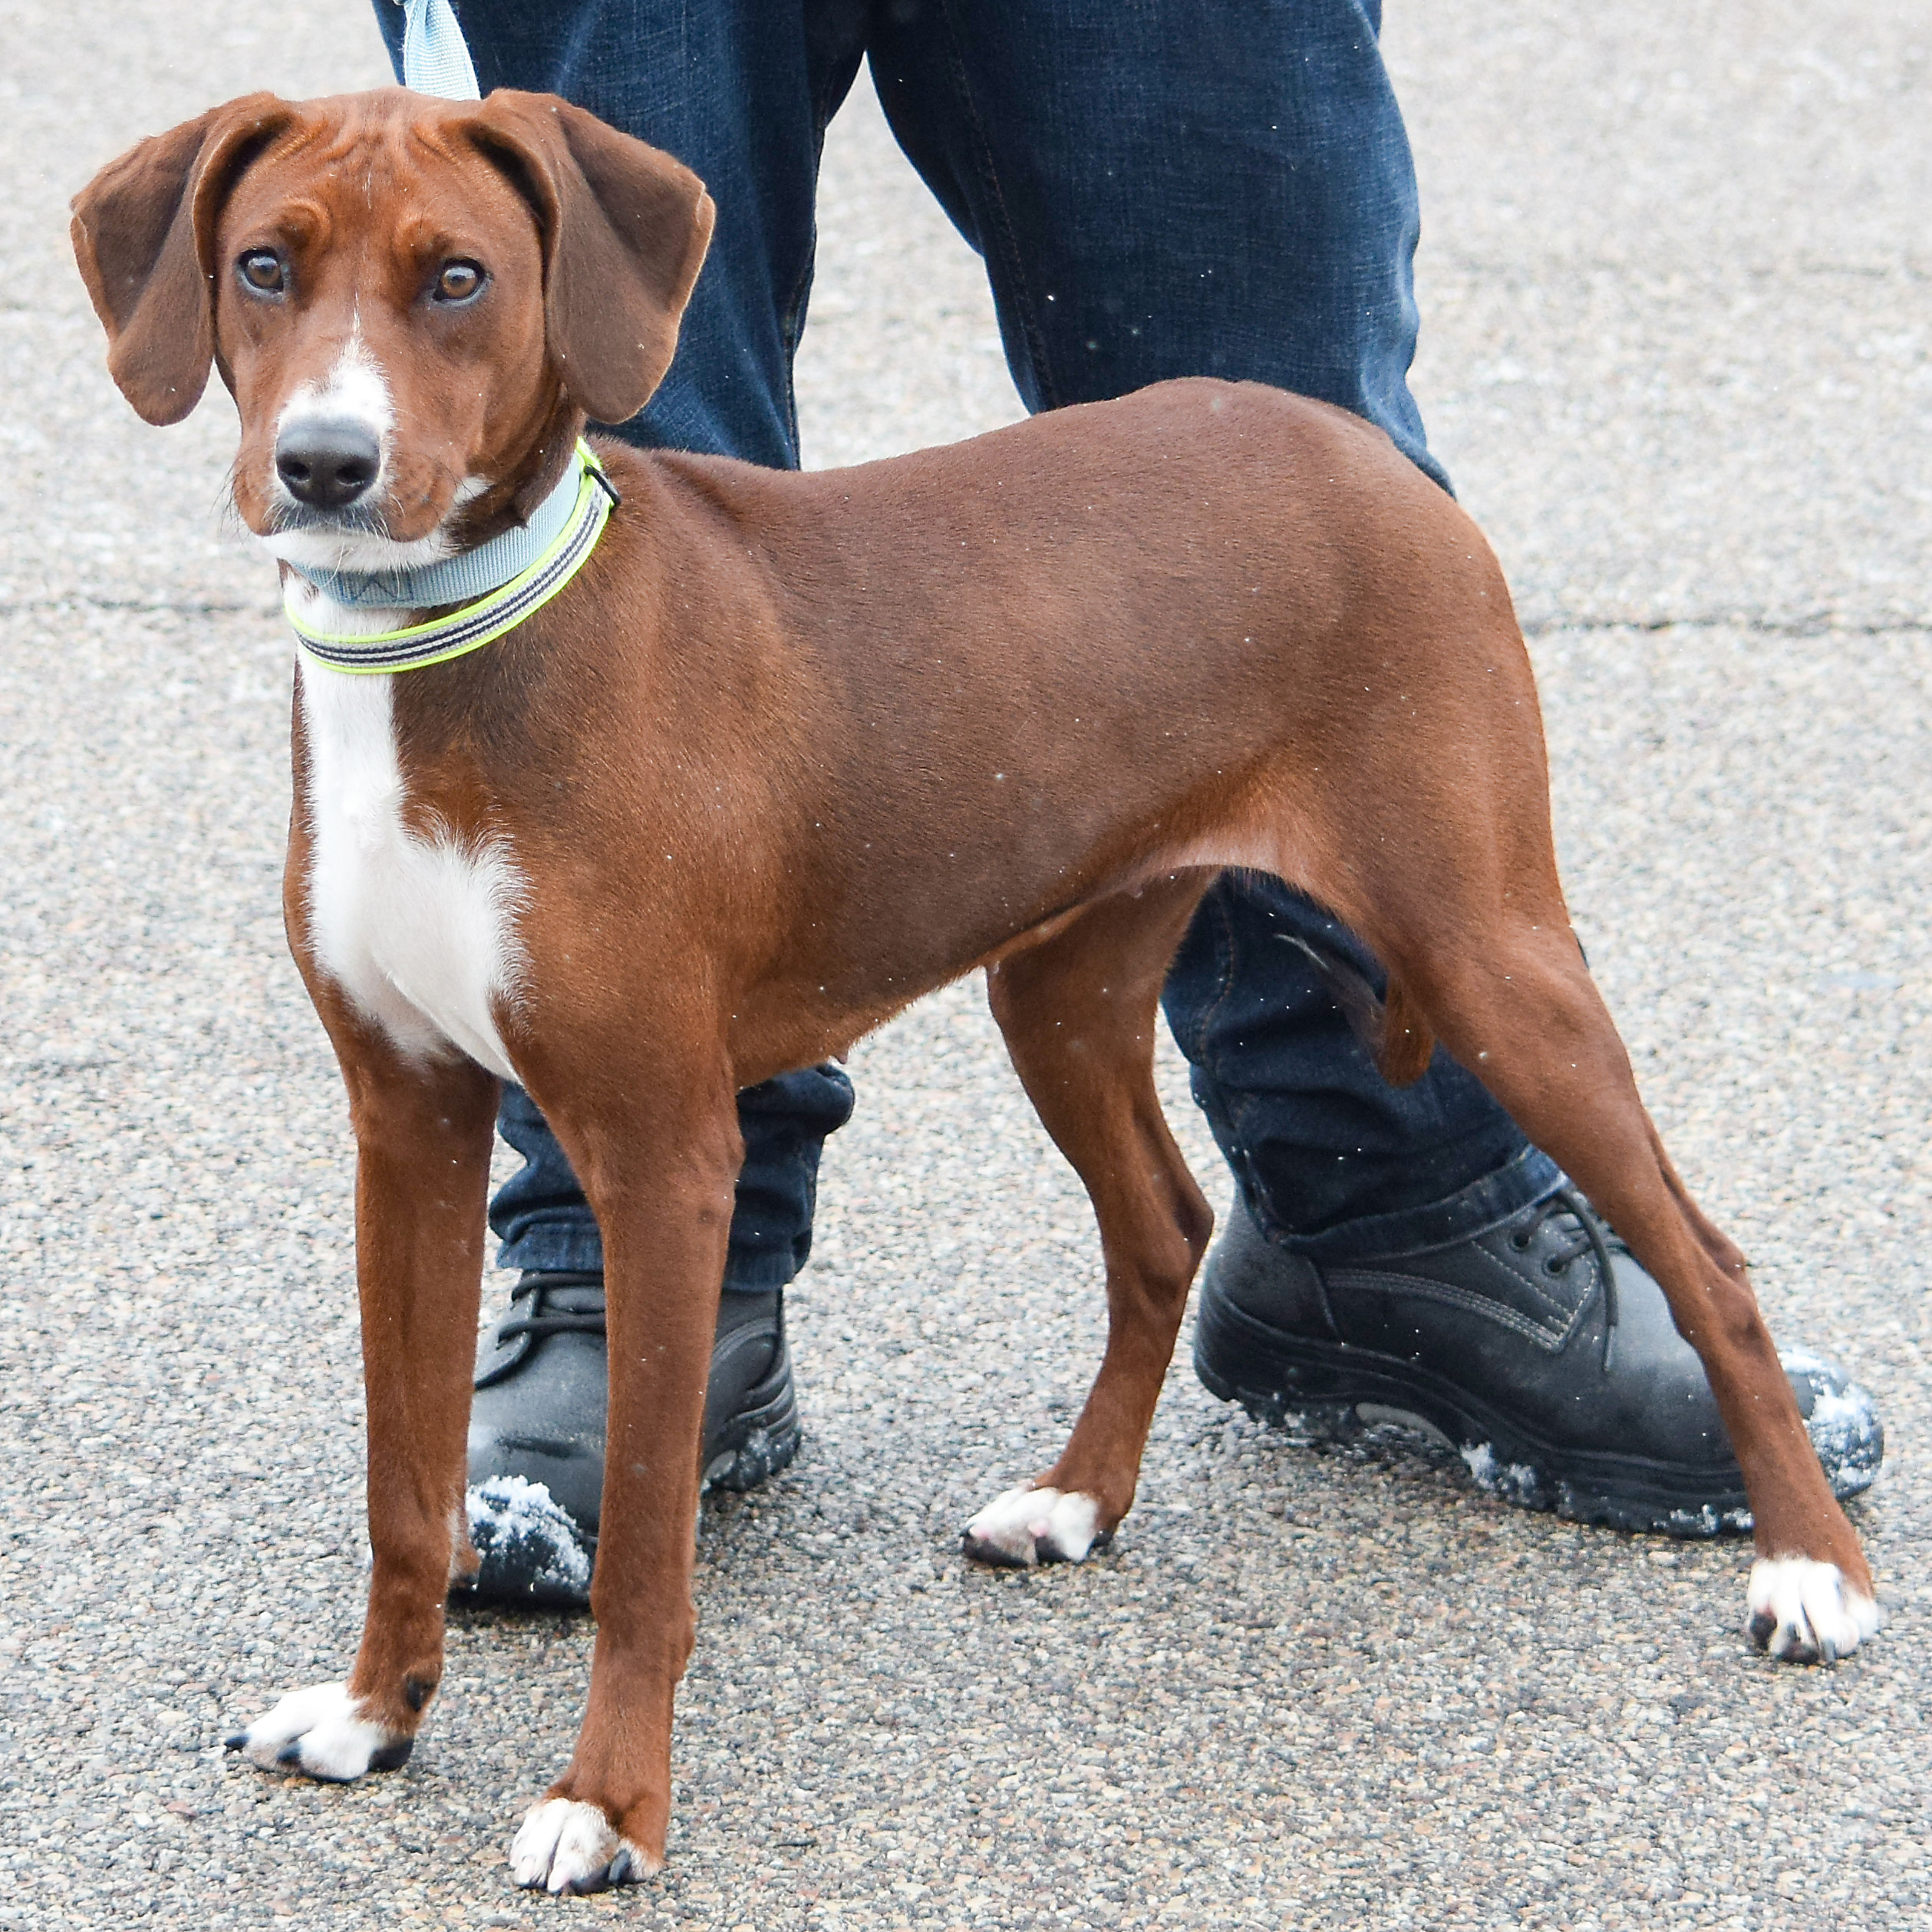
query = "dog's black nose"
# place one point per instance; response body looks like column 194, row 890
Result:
column 327, row 465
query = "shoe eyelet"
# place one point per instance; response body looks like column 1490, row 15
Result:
column 1520, row 1243
column 1555, row 1267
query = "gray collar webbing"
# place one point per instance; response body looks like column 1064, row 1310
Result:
column 453, row 580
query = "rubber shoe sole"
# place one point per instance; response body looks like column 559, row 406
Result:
column 1335, row 1391
column 763, row 1437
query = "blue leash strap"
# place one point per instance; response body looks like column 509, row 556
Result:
column 436, row 57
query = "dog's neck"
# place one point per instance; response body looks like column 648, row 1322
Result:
column 359, row 621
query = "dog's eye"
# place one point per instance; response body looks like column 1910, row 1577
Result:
column 262, row 269
column 458, row 281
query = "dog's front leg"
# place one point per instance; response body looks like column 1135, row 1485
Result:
column 423, row 1137
column 662, row 1183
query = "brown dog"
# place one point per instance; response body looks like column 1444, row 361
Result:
column 789, row 752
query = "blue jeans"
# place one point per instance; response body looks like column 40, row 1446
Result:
column 1175, row 187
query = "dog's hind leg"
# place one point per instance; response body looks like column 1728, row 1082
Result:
column 1526, row 1018
column 1078, row 1012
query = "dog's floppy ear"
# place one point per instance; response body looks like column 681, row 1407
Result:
column 143, row 228
column 624, row 231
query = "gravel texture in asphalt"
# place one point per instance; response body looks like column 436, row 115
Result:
column 1678, row 354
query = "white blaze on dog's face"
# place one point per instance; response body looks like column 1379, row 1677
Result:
column 350, row 413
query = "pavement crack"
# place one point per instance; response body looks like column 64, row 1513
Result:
column 1810, row 625
column 204, row 607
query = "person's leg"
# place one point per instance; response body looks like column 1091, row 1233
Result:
column 741, row 94
column 539, row 1214
column 1219, row 189
column 1225, row 190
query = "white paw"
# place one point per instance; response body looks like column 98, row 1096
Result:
column 1804, row 1612
column 320, row 1731
column 564, row 1846
column 1024, row 1527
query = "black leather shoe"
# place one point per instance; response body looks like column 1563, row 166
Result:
column 537, row 1430
column 1540, row 1349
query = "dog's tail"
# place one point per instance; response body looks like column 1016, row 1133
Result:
column 1392, row 1027
column 1408, row 1042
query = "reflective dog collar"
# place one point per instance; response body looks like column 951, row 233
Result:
column 514, row 583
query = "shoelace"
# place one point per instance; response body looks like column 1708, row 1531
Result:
column 1591, row 1235
column 542, row 1319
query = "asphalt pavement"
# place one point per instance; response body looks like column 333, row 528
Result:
column 1676, row 285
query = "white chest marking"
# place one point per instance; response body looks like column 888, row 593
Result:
column 421, row 933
